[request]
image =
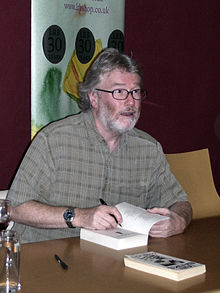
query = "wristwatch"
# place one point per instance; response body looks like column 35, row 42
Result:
column 69, row 216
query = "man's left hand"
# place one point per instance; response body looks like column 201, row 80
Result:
column 176, row 223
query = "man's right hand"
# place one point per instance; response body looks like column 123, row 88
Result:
column 97, row 218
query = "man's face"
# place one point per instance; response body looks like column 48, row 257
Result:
column 117, row 116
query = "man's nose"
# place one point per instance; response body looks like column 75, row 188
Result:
column 130, row 100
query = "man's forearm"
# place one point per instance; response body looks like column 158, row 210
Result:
column 183, row 209
column 39, row 215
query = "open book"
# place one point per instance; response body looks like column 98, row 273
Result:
column 163, row 265
column 136, row 225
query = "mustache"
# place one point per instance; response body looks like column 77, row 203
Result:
column 129, row 109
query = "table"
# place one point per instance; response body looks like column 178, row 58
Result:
column 94, row 268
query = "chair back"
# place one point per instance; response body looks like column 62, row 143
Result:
column 194, row 173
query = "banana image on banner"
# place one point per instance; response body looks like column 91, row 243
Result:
column 76, row 71
column 64, row 43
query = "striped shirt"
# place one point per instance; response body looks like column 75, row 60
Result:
column 69, row 164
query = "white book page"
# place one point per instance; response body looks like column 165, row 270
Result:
column 137, row 219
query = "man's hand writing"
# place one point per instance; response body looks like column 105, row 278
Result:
column 97, row 218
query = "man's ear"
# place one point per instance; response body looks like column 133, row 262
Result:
column 93, row 98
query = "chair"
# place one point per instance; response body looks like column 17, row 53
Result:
column 194, row 173
column 3, row 194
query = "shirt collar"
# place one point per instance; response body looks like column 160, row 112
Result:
column 94, row 135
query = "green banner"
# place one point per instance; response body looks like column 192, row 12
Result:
column 65, row 38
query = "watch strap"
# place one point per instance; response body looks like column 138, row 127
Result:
column 69, row 224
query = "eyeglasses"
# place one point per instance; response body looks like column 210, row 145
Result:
column 122, row 94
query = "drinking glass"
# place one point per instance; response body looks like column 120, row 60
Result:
column 5, row 218
column 9, row 261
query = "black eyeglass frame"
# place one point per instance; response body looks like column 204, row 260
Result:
column 128, row 92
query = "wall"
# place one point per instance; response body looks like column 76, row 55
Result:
column 177, row 44
column 14, row 86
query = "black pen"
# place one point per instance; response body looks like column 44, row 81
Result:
column 104, row 203
column 64, row 266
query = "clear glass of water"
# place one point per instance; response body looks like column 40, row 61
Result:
column 9, row 261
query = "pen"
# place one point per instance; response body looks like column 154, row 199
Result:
column 63, row 265
column 104, row 203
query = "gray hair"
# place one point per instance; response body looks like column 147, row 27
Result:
column 108, row 60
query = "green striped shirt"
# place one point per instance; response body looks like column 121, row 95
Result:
column 69, row 164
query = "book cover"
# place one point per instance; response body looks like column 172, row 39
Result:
column 164, row 265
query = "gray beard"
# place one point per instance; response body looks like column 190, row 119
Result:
column 115, row 125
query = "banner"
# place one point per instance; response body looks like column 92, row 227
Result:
column 65, row 38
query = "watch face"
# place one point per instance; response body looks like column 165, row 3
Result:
column 68, row 215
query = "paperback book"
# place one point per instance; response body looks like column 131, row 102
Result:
column 133, row 232
column 163, row 265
